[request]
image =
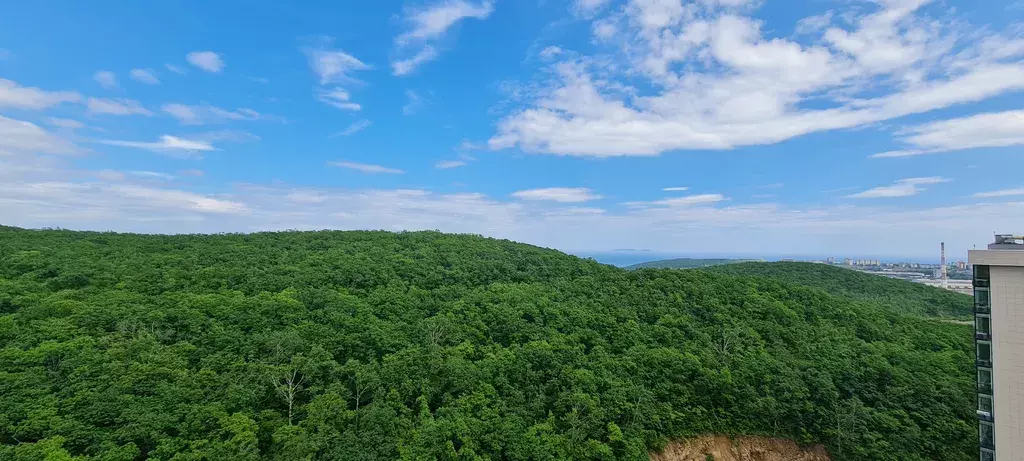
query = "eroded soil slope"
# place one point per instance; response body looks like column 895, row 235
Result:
column 723, row 448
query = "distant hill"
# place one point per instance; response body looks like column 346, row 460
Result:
column 687, row 263
column 899, row 295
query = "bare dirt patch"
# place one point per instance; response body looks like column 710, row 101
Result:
column 723, row 448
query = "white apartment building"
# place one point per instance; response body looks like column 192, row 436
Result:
column 999, row 338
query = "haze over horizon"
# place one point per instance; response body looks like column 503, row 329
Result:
column 714, row 127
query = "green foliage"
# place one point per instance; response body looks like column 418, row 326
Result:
column 899, row 295
column 686, row 263
column 383, row 346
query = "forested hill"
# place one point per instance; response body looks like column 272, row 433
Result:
column 899, row 295
column 685, row 263
column 383, row 346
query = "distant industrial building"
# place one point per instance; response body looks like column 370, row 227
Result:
column 999, row 342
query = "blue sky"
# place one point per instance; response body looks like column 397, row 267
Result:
column 706, row 126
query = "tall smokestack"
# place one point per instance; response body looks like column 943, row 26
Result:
column 943, row 263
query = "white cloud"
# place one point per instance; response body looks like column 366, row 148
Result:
column 1000, row 193
column 745, row 230
column 195, row 173
column 175, row 69
column 686, row 201
column 116, row 106
column 365, row 168
column 144, row 75
column 154, row 175
column 306, row 197
column 448, row 164
column 333, row 66
column 166, row 144
column 550, row 52
column 997, row 129
column 586, row 8
column 20, row 97
column 206, row 60
column 21, row 136
column 406, row 66
column 558, row 194
column 413, row 102
column 205, row 114
column 675, row 189
column 66, row 123
column 337, row 97
column 354, row 128
column 902, row 188
column 106, row 79
column 430, row 24
column 707, row 77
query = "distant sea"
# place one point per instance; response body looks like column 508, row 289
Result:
column 628, row 258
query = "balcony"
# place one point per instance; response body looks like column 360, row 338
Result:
column 986, row 309
column 983, row 336
column 985, row 388
column 983, row 363
column 980, row 283
column 988, row 443
column 986, row 416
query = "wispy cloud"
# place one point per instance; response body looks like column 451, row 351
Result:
column 175, row 69
column 558, row 194
column 206, row 60
column 413, row 102
column 354, row 128
column 65, row 123
column 902, row 188
column 116, row 106
column 406, row 66
column 154, row 175
column 675, row 189
column 206, row 114
column 30, row 98
column 166, row 143
column 1000, row 193
column 365, row 167
column 106, row 79
column 429, row 24
column 685, row 201
column 147, row 76
column 996, row 129
column 333, row 66
column 448, row 164
column 22, row 136
column 339, row 98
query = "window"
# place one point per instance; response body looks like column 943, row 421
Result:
column 987, row 455
column 986, row 434
column 980, row 272
column 983, row 324
column 984, row 351
column 985, row 403
column 981, row 298
column 985, row 380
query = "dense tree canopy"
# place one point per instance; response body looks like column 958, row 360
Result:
column 381, row 346
column 899, row 295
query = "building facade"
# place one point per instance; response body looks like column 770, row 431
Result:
column 999, row 342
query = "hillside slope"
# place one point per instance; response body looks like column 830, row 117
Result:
column 382, row 346
column 899, row 295
column 685, row 263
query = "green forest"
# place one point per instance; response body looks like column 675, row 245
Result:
column 428, row 346
column 686, row 263
column 898, row 295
